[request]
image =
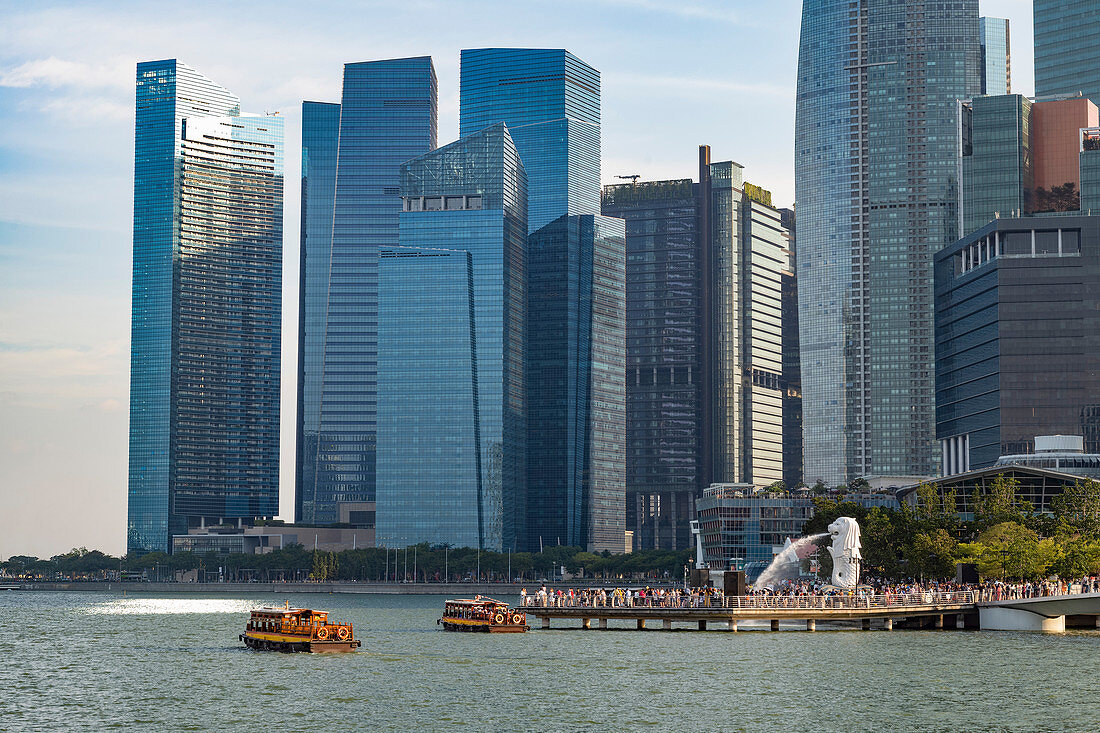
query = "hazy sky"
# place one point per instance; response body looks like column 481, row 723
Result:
column 675, row 74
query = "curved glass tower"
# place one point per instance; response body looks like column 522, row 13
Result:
column 876, row 187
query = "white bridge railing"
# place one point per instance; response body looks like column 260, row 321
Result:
column 838, row 602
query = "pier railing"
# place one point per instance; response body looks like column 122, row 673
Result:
column 809, row 602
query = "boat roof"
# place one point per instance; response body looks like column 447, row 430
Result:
column 477, row 602
column 287, row 611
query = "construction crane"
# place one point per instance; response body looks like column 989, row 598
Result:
column 633, row 178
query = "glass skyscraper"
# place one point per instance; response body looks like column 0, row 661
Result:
column 320, row 135
column 665, row 468
column 387, row 116
column 876, row 182
column 1067, row 48
column 451, row 384
column 704, row 343
column 550, row 101
column 996, row 55
column 204, row 392
column 577, row 394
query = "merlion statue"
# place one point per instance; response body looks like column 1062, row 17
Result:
column 845, row 552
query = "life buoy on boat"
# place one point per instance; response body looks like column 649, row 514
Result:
column 322, row 633
column 518, row 618
column 342, row 633
column 499, row 618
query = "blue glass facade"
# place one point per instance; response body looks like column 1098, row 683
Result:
column 876, row 181
column 429, row 447
column 550, row 101
column 204, row 401
column 467, row 197
column 576, row 472
column 320, row 137
column 387, row 116
column 1067, row 48
column 996, row 56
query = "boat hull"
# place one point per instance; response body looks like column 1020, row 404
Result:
column 484, row 628
column 270, row 643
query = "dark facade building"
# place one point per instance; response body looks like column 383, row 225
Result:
column 1017, row 337
column 387, row 116
column 792, row 364
column 577, row 394
column 704, row 343
column 1067, row 48
column 665, row 467
column 207, row 295
column 876, row 186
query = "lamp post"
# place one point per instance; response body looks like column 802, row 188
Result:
column 1004, row 554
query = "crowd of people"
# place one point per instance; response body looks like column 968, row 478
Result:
column 805, row 593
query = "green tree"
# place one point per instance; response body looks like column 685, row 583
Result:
column 1079, row 507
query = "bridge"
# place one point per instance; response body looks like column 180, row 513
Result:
column 1045, row 613
column 961, row 609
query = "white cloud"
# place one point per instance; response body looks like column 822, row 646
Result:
column 54, row 73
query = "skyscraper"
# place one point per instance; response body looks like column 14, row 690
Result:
column 1017, row 152
column 1067, row 48
column 320, row 134
column 665, row 435
column 876, row 185
column 451, row 385
column 550, row 101
column 1017, row 338
column 577, row 391
column 996, row 43
column 387, row 116
column 704, row 343
column 204, row 393
column 792, row 363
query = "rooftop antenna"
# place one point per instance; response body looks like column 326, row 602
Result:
column 633, row 178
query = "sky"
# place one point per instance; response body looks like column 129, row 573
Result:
column 675, row 74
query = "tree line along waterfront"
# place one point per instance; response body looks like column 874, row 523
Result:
column 1001, row 533
column 423, row 563
column 1004, row 535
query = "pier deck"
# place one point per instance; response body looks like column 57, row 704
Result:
column 810, row 609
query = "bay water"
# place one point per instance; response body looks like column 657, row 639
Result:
column 101, row 661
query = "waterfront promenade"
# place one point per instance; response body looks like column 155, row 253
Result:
column 928, row 608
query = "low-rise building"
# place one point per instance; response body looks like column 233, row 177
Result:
column 742, row 525
column 266, row 538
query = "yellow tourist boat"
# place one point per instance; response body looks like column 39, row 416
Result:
column 482, row 614
column 297, row 630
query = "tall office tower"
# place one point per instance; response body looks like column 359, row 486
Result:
column 1067, row 48
column 876, row 187
column 550, row 101
column 996, row 42
column 576, row 432
column 387, row 116
column 1017, row 337
column 750, row 254
column 704, row 343
column 320, row 135
column 451, row 385
column 1018, row 155
column 204, row 372
column 665, row 465
column 792, row 364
